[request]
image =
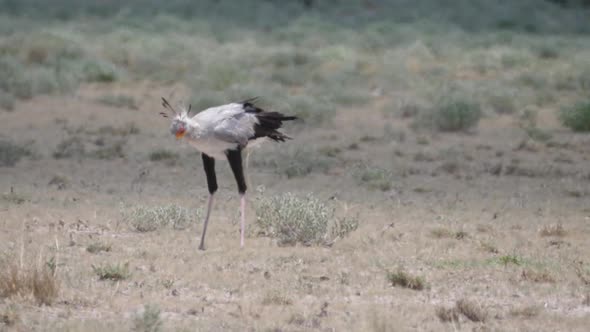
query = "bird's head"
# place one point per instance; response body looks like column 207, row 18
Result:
column 180, row 120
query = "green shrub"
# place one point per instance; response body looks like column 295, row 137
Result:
column 293, row 219
column 148, row 219
column 457, row 115
column 577, row 117
column 11, row 153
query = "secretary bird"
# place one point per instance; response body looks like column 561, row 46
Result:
column 223, row 132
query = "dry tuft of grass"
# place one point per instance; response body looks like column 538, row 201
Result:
column 473, row 311
column 306, row 220
column 97, row 247
column 401, row 278
column 114, row 272
column 148, row 219
column 556, row 230
column 447, row 314
column 526, row 312
column 162, row 155
column 442, row 232
column 276, row 298
column 537, row 276
column 36, row 279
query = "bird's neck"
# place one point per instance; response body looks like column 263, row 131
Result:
column 194, row 129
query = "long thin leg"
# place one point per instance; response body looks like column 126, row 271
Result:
column 242, row 218
column 209, row 165
column 209, row 205
column 235, row 162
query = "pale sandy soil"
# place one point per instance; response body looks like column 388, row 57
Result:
column 499, row 192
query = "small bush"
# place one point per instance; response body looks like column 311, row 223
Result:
column 577, row 118
column 457, row 115
column 69, row 147
column 100, row 71
column 6, row 101
column 307, row 220
column 502, row 104
column 374, row 177
column 114, row 272
column 401, row 278
column 11, row 153
column 148, row 219
column 149, row 320
column 38, row 280
column 119, row 101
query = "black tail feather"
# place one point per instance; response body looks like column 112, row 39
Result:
column 268, row 122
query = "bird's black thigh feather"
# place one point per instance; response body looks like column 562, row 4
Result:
column 235, row 162
column 209, row 165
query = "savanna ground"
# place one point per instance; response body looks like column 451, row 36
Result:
column 443, row 146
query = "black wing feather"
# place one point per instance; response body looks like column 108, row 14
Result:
column 268, row 122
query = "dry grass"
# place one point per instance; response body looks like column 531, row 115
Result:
column 537, row 276
column 113, row 272
column 441, row 232
column 97, row 247
column 401, row 278
column 26, row 279
column 447, row 314
column 472, row 310
column 556, row 230
column 526, row 312
column 276, row 298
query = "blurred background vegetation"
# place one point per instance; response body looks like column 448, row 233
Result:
column 310, row 57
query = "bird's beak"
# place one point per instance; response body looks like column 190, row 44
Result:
column 180, row 134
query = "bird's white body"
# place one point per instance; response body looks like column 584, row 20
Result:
column 218, row 129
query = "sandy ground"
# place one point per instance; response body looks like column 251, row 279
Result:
column 461, row 205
